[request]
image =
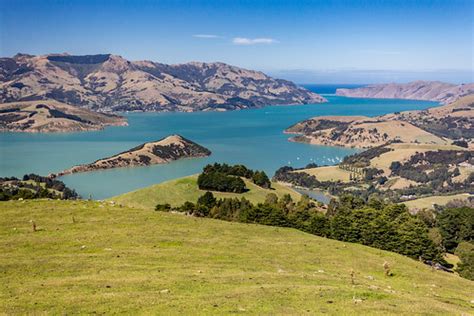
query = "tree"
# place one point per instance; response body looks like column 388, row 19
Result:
column 187, row 207
column 271, row 198
column 207, row 199
column 465, row 252
column 456, row 225
column 260, row 178
column 163, row 207
column 395, row 166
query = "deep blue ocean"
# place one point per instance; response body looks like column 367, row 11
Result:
column 251, row 137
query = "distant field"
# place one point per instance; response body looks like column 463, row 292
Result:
column 403, row 152
column 464, row 173
column 119, row 260
column 329, row 173
column 429, row 202
column 176, row 192
column 399, row 183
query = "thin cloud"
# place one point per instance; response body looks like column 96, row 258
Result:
column 253, row 41
column 206, row 36
column 379, row 52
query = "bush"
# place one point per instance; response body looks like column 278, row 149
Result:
column 163, row 207
column 461, row 143
column 208, row 200
column 261, row 179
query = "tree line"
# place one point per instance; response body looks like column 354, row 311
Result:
column 33, row 186
column 374, row 223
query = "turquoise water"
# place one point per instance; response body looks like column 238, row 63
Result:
column 251, row 137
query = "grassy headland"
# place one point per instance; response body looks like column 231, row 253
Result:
column 176, row 192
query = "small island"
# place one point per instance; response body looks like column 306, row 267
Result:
column 50, row 116
column 163, row 151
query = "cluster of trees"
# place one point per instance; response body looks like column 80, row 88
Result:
column 362, row 159
column 302, row 179
column 218, row 181
column 452, row 229
column 227, row 178
column 453, row 127
column 373, row 223
column 433, row 169
column 53, row 184
column 33, row 186
column 17, row 193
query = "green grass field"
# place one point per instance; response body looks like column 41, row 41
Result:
column 176, row 192
column 113, row 259
column 429, row 202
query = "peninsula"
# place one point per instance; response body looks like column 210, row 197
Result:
column 438, row 125
column 48, row 116
column 163, row 151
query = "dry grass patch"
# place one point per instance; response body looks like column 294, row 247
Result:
column 429, row 202
column 328, row 173
column 403, row 151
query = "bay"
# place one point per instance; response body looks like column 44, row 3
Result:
column 254, row 138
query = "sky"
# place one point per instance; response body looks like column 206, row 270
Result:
column 304, row 41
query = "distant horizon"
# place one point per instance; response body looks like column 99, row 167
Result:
column 301, row 76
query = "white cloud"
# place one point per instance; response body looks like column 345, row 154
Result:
column 206, row 36
column 253, row 41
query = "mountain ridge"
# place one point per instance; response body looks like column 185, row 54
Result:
column 107, row 82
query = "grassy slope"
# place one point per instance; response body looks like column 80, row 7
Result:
column 176, row 192
column 138, row 260
column 428, row 202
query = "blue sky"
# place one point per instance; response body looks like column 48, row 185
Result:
column 304, row 41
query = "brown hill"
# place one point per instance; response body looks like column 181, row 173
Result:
column 52, row 116
column 112, row 83
column 439, row 125
column 417, row 90
column 165, row 150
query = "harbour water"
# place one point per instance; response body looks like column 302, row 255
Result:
column 254, row 138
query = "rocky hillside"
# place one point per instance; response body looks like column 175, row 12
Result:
column 52, row 116
column 439, row 125
column 171, row 148
column 417, row 90
column 112, row 83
